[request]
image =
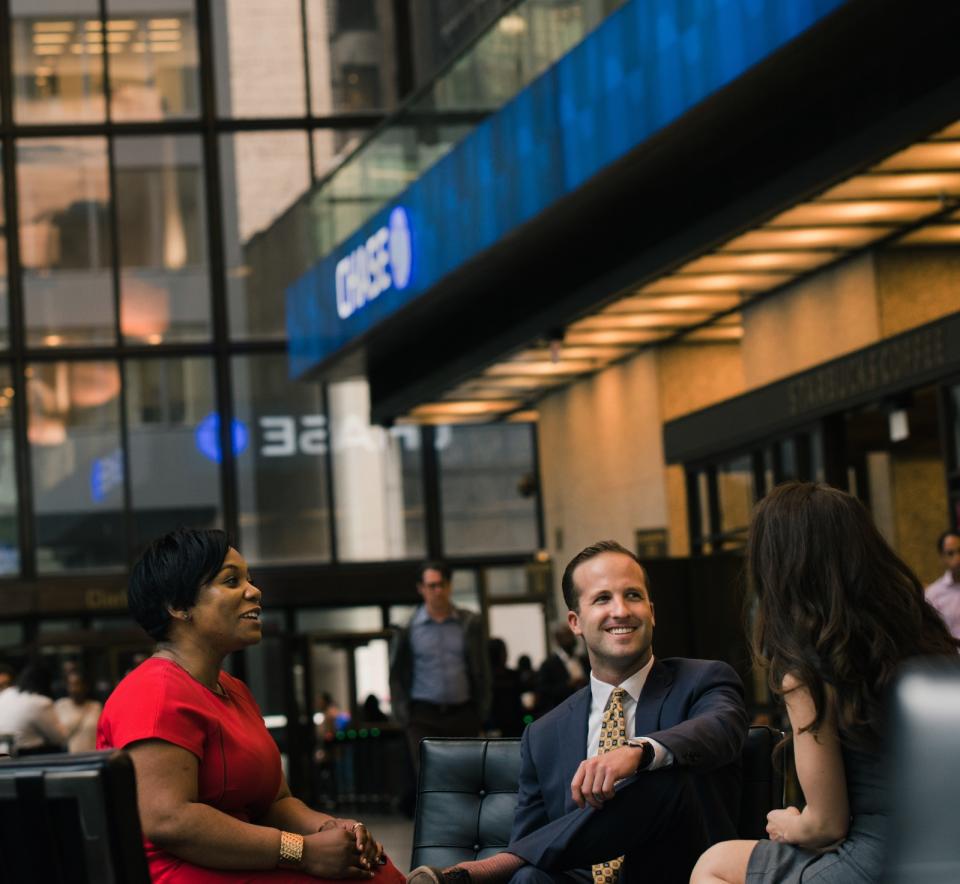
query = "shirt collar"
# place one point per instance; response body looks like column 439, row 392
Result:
column 421, row 616
column 600, row 691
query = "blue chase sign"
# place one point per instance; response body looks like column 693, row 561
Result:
column 644, row 67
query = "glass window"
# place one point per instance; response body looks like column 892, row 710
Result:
column 359, row 619
column 506, row 582
column 9, row 551
column 57, row 51
column 281, row 445
column 263, row 173
column 73, row 427
column 484, row 473
column 466, row 589
column 174, row 447
column 164, row 277
column 4, row 337
column 258, row 47
column 735, row 490
column 377, row 480
column 153, row 59
column 352, row 57
column 330, row 146
column 65, row 241
column 11, row 634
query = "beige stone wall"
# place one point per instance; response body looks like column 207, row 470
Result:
column 916, row 286
column 601, row 460
column 828, row 315
column 920, row 512
column 693, row 376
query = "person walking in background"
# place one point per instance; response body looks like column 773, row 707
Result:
column 944, row 593
column 506, row 709
column 78, row 714
column 563, row 672
column 440, row 681
column 838, row 611
column 26, row 712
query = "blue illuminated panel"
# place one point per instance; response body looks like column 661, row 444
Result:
column 643, row 68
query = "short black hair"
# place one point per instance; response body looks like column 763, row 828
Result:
column 942, row 539
column 434, row 565
column 571, row 594
column 169, row 574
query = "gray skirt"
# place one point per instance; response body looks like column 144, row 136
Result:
column 773, row 862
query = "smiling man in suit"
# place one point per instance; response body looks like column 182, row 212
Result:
column 633, row 776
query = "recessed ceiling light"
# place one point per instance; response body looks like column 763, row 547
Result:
column 856, row 212
column 839, row 238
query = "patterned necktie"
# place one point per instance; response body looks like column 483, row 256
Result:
column 613, row 733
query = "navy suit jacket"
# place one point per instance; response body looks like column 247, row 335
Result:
column 694, row 708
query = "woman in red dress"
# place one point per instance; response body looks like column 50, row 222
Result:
column 214, row 805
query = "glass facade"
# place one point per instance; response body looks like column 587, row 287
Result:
column 146, row 147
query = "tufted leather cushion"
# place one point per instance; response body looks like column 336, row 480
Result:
column 468, row 792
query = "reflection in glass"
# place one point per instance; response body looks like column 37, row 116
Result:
column 4, row 337
column 330, row 146
column 57, row 53
column 505, row 582
column 258, row 49
column 9, row 551
column 281, row 449
column 173, row 444
column 351, row 55
column 153, row 59
column 73, row 427
column 376, row 480
column 484, row 471
column 162, row 239
column 262, row 173
column 65, row 240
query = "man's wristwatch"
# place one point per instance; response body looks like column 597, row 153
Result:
column 646, row 751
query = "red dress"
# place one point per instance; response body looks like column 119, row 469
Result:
column 239, row 763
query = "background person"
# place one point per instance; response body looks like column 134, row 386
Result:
column 563, row 672
column 440, row 682
column 26, row 712
column 506, row 709
column 838, row 612
column 214, row 804
column 78, row 714
column 944, row 593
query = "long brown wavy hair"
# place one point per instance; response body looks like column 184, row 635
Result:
column 837, row 607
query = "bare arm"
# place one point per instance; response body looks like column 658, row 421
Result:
column 826, row 817
column 292, row 815
column 176, row 820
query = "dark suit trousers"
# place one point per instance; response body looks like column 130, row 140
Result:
column 431, row 720
column 655, row 820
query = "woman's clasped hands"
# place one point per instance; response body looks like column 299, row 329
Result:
column 341, row 849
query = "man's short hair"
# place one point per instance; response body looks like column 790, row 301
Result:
column 942, row 539
column 434, row 565
column 571, row 593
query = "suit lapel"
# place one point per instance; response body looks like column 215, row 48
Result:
column 572, row 739
column 647, row 718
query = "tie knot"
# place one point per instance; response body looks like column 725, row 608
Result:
column 617, row 695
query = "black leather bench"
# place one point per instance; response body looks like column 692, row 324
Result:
column 468, row 791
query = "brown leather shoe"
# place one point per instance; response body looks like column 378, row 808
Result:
column 433, row 875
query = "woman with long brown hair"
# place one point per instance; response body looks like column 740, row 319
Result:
column 838, row 611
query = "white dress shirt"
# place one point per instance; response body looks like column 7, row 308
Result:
column 600, row 693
